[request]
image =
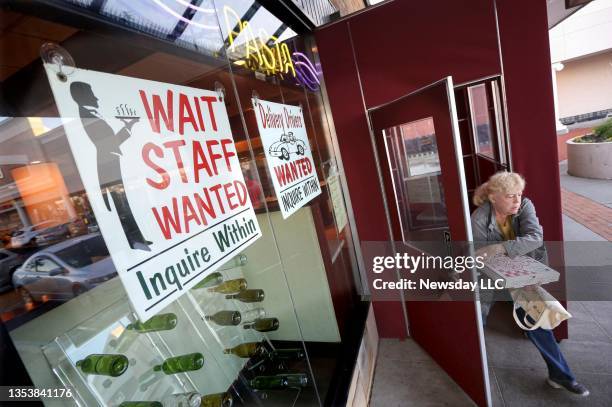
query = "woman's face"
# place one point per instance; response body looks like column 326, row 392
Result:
column 506, row 203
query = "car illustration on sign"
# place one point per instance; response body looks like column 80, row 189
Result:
column 286, row 146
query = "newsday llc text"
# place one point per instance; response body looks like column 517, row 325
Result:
column 442, row 266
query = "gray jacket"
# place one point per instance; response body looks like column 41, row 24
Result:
column 527, row 229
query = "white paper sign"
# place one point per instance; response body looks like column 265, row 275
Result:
column 285, row 142
column 161, row 171
column 335, row 190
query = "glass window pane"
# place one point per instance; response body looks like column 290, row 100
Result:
column 45, row 265
column 415, row 169
column 481, row 121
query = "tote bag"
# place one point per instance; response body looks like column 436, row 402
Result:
column 542, row 307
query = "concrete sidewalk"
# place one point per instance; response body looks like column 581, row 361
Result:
column 587, row 207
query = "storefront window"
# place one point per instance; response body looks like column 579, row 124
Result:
column 264, row 325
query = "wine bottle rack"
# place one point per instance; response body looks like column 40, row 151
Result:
column 105, row 332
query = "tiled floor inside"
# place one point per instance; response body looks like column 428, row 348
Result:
column 406, row 376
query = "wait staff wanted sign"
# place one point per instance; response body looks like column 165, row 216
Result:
column 285, row 142
column 161, row 172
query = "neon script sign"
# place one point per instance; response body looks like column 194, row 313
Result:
column 263, row 53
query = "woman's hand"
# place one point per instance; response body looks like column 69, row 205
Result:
column 489, row 251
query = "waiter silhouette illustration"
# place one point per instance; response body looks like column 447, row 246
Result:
column 108, row 157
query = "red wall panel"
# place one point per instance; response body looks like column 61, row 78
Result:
column 405, row 45
column 531, row 116
column 350, row 121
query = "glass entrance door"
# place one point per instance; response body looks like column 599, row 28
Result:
column 425, row 187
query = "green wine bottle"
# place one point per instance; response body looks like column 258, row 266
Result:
column 183, row 363
column 287, row 354
column 217, row 400
column 106, row 365
column 160, row 322
column 191, row 399
column 253, row 314
column 210, row 280
column 263, row 325
column 236, row 261
column 247, row 350
column 225, row 318
column 256, row 295
column 279, row 381
column 230, row 286
column 141, row 404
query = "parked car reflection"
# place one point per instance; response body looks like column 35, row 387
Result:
column 9, row 262
column 53, row 234
column 26, row 236
column 65, row 270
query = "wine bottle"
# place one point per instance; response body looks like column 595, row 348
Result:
column 236, row 261
column 253, row 314
column 141, row 404
column 210, row 280
column 225, row 318
column 160, row 322
column 230, row 286
column 279, row 381
column 247, row 350
column 191, row 399
column 263, row 325
column 256, row 295
column 217, row 400
column 183, row 363
column 287, row 354
column 106, row 365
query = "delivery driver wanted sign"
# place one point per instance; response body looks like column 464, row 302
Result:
column 285, row 142
column 185, row 209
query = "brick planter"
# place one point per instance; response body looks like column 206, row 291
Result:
column 589, row 160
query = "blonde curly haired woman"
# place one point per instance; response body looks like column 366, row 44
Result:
column 506, row 218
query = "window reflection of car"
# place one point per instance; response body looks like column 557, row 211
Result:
column 65, row 270
column 286, row 146
column 26, row 236
column 9, row 262
column 53, row 234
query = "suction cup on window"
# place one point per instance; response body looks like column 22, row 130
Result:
column 220, row 89
column 59, row 57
